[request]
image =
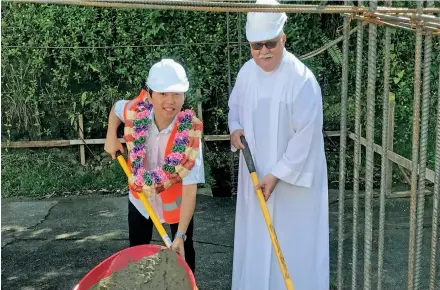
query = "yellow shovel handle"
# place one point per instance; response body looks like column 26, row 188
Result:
column 146, row 204
column 268, row 220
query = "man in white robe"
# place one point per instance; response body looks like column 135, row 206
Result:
column 276, row 104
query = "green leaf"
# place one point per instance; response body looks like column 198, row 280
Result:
column 83, row 98
column 93, row 67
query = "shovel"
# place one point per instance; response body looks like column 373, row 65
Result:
column 163, row 234
column 267, row 219
column 121, row 259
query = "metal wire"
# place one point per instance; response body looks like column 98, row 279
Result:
column 223, row 7
column 415, row 153
column 357, row 148
column 384, row 161
column 436, row 198
column 343, row 149
column 369, row 166
column 120, row 46
column 231, row 44
column 400, row 25
column 423, row 151
column 329, row 44
column 431, row 22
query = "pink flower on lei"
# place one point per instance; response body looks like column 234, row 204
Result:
column 140, row 176
column 137, row 135
column 182, row 134
column 161, row 174
column 134, row 155
column 176, row 155
column 143, row 114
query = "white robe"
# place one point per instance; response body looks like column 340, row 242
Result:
column 281, row 114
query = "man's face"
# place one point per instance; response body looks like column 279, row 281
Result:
column 267, row 54
column 166, row 105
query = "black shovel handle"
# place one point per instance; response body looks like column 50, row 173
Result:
column 247, row 155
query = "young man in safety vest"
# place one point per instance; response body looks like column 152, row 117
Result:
column 165, row 156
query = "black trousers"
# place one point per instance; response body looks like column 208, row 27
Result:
column 140, row 232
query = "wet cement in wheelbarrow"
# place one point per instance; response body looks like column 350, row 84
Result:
column 159, row 271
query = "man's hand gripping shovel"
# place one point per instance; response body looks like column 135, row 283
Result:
column 271, row 229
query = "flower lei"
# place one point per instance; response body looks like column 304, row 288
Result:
column 159, row 175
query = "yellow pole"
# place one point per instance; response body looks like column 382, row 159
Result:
column 267, row 219
column 146, row 204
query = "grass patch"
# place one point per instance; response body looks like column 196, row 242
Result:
column 43, row 172
column 57, row 171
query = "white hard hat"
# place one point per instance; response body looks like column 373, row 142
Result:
column 264, row 25
column 167, row 76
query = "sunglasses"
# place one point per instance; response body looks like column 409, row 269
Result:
column 269, row 44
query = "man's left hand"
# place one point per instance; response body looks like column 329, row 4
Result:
column 267, row 185
column 178, row 247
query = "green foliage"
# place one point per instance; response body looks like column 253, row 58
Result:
column 62, row 61
column 48, row 77
column 41, row 172
column 334, row 51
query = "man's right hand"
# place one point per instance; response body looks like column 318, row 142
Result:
column 112, row 145
column 235, row 139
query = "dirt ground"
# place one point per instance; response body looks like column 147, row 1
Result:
column 51, row 244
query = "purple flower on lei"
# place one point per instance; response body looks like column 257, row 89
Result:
column 185, row 118
column 171, row 161
column 140, row 128
column 142, row 106
column 137, row 165
column 181, row 141
column 138, row 147
column 155, row 177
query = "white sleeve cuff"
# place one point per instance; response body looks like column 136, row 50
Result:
column 298, row 178
column 232, row 127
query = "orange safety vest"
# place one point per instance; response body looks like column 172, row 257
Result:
column 171, row 196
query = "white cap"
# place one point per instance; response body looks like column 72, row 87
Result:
column 167, row 76
column 264, row 25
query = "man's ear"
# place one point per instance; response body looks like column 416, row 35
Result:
column 149, row 96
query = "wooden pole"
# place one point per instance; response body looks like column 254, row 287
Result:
column 199, row 105
column 75, row 142
column 396, row 158
column 82, row 151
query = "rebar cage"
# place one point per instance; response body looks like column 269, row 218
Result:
column 425, row 23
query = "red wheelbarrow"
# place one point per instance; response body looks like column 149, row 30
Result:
column 121, row 259
column 118, row 261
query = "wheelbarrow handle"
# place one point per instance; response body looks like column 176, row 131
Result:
column 166, row 239
column 251, row 167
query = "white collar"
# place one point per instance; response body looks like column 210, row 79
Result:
column 167, row 130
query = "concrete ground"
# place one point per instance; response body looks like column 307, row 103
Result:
column 51, row 244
